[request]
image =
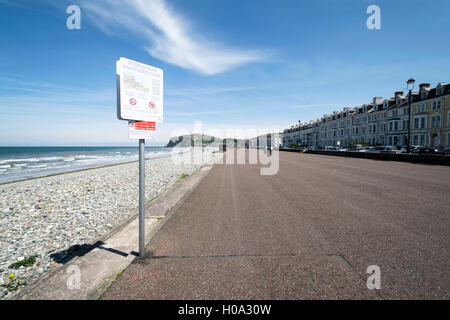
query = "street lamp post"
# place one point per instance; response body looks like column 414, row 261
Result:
column 410, row 83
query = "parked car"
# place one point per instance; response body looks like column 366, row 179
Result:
column 376, row 149
column 389, row 149
column 416, row 147
column 425, row 151
column 310, row 149
column 357, row 147
column 367, row 149
column 405, row 149
column 444, row 151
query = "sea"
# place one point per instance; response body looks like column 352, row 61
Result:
column 21, row 163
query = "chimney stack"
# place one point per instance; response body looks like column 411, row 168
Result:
column 377, row 100
column 424, row 86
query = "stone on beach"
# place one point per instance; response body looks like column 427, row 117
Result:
column 45, row 217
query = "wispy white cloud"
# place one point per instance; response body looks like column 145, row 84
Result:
column 10, row 3
column 207, row 90
column 167, row 35
column 25, row 98
column 201, row 113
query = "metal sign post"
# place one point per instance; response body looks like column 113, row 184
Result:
column 141, row 197
column 140, row 101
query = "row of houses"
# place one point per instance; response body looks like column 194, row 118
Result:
column 382, row 122
column 270, row 140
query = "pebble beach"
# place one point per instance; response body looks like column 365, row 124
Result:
column 41, row 219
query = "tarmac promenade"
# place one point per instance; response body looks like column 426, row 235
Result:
column 308, row 232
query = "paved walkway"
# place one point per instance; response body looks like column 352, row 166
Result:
column 309, row 232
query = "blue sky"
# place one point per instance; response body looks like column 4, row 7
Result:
column 254, row 64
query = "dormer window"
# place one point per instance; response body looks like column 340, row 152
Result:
column 439, row 91
column 424, row 94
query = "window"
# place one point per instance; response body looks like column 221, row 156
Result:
column 424, row 94
column 448, row 138
column 439, row 91
column 416, row 123
column 448, row 119
column 436, row 105
column 395, row 125
column 421, row 108
column 436, row 140
column 423, row 122
column 420, row 140
column 436, row 121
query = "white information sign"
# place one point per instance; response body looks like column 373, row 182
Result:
column 141, row 129
column 139, row 92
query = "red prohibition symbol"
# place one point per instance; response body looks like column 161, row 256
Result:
column 151, row 104
column 131, row 124
column 133, row 101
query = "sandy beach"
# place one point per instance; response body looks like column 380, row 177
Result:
column 40, row 219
